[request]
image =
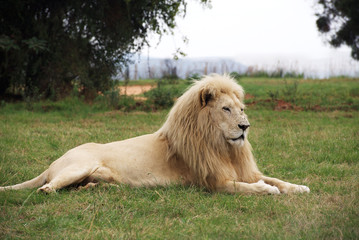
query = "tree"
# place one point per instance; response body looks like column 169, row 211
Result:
column 45, row 46
column 170, row 70
column 339, row 20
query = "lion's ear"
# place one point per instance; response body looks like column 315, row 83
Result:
column 206, row 95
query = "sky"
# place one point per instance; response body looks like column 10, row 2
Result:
column 264, row 33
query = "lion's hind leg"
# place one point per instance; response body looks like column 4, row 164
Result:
column 286, row 187
column 66, row 177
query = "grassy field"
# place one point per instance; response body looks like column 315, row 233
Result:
column 291, row 93
column 314, row 146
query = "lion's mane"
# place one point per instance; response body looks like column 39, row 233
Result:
column 194, row 139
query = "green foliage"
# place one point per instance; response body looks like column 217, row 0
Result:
column 7, row 44
column 30, row 100
column 290, row 91
column 160, row 97
column 112, row 100
column 36, row 45
column 293, row 74
column 46, row 45
column 163, row 96
column 311, row 95
column 235, row 75
column 165, row 93
column 127, row 103
column 339, row 21
column 354, row 92
column 262, row 93
column 193, row 77
column 255, row 72
column 274, row 95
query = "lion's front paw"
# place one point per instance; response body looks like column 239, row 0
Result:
column 294, row 188
column 264, row 188
column 302, row 189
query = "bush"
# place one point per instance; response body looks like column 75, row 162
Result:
column 160, row 97
column 273, row 95
column 235, row 75
column 193, row 77
column 354, row 92
column 163, row 96
column 126, row 103
column 290, row 91
column 113, row 100
column 293, row 74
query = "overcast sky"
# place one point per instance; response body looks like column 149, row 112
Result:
column 255, row 32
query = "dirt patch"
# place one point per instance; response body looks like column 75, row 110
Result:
column 135, row 89
column 249, row 96
column 279, row 105
column 283, row 105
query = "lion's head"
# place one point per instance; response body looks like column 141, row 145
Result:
column 226, row 111
column 207, row 129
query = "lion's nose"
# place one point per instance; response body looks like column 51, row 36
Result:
column 243, row 126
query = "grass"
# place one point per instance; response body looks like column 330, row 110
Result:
column 330, row 94
column 319, row 149
column 304, row 94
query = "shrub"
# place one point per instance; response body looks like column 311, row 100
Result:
column 126, row 103
column 354, row 92
column 290, row 91
column 160, row 97
column 113, row 100
column 235, row 75
column 273, row 95
column 163, row 96
column 293, row 74
column 195, row 76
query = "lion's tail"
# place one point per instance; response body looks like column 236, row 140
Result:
column 35, row 182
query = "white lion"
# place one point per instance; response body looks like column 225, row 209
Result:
column 203, row 142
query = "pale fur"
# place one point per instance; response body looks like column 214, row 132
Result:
column 196, row 140
column 202, row 142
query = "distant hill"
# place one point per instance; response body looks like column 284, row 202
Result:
column 143, row 68
column 157, row 68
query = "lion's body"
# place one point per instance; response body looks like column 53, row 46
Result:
column 203, row 142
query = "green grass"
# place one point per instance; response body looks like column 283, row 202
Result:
column 319, row 149
column 304, row 94
column 330, row 94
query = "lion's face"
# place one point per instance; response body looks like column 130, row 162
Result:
column 227, row 112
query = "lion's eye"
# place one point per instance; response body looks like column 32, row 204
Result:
column 226, row 109
column 242, row 109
